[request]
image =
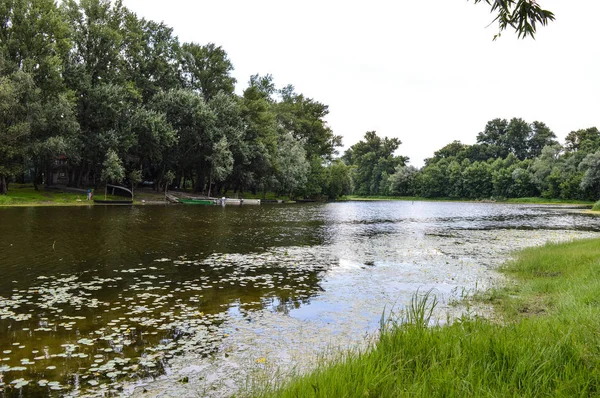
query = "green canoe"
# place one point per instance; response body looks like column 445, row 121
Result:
column 206, row 202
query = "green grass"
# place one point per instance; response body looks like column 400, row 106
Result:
column 596, row 206
column 548, row 201
column 544, row 342
column 20, row 195
column 26, row 195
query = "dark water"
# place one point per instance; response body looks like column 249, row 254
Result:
column 92, row 297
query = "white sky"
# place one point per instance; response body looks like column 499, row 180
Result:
column 426, row 72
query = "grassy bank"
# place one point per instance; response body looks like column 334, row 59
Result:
column 533, row 200
column 544, row 342
column 26, row 195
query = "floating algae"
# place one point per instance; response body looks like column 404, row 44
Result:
column 104, row 327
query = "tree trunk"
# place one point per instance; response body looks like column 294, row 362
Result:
column 35, row 178
column 199, row 182
column 79, row 177
column 48, row 175
column 3, row 186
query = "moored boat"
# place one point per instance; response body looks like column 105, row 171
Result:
column 205, row 202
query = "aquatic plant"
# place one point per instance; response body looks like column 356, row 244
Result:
column 544, row 345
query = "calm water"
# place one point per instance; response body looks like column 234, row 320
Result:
column 102, row 300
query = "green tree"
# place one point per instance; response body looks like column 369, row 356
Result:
column 543, row 166
column 260, row 134
column 477, row 180
column 207, row 69
column 112, row 169
column 584, row 140
column 34, row 38
column 402, row 182
column 521, row 15
column 541, row 137
column 93, row 70
column 373, row 158
column 591, row 179
column 221, row 162
column 293, row 167
column 338, row 180
column 150, row 56
column 228, row 127
column 19, row 106
column 194, row 124
column 431, row 181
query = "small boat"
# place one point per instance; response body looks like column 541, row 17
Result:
column 113, row 202
column 241, row 202
column 205, row 202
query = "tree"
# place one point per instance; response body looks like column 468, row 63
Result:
column 373, row 159
column 19, row 107
column 221, row 162
column 293, row 168
column 543, row 166
column 194, row 124
column 93, row 70
column 402, row 181
column 477, row 180
column 541, row 137
column 584, row 140
column 134, row 177
column 517, row 136
column 521, row 15
column 112, row 169
column 338, row 180
column 228, row 130
column 150, row 56
column 260, row 134
column 455, row 149
column 207, row 69
column 35, row 40
column 591, row 179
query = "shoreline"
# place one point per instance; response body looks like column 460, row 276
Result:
column 27, row 196
column 539, row 336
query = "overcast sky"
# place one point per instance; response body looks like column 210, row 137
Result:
column 426, row 72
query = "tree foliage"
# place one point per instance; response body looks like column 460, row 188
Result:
column 521, row 15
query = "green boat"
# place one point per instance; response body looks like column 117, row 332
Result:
column 205, row 202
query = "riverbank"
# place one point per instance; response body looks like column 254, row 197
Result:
column 26, row 195
column 532, row 200
column 543, row 340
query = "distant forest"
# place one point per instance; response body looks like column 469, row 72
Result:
column 90, row 93
column 511, row 159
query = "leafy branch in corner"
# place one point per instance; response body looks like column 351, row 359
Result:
column 522, row 15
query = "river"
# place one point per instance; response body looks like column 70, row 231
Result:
column 180, row 300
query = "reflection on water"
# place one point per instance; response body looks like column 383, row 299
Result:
column 93, row 297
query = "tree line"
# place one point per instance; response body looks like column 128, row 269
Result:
column 511, row 159
column 120, row 99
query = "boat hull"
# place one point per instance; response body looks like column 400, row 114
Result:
column 202, row 202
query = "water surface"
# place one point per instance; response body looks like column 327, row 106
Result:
column 103, row 300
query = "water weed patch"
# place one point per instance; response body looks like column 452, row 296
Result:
column 544, row 342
